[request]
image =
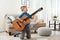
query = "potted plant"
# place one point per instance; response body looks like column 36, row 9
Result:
column 54, row 17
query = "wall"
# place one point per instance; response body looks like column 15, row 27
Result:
column 50, row 8
column 8, row 7
column 34, row 5
column 58, row 9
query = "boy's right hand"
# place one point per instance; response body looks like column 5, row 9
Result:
column 20, row 19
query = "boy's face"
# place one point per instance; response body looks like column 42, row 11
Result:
column 24, row 9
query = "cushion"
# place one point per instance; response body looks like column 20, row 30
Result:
column 11, row 18
column 43, row 31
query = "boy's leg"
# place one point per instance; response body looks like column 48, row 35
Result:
column 23, row 33
column 28, row 32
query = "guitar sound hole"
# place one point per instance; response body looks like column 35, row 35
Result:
column 19, row 24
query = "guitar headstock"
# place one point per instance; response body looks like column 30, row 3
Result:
column 37, row 11
column 40, row 9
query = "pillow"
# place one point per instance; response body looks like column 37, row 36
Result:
column 11, row 18
column 41, row 20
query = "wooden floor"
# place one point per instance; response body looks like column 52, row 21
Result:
column 30, row 39
column 54, row 36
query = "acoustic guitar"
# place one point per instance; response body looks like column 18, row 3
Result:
column 18, row 25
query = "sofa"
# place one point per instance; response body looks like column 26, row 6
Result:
column 11, row 30
column 36, row 26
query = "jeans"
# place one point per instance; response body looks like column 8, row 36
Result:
column 27, row 31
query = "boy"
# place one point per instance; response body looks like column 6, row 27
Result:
column 27, row 27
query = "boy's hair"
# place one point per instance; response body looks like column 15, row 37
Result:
column 22, row 7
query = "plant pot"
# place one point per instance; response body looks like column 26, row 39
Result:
column 54, row 19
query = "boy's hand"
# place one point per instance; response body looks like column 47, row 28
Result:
column 32, row 17
column 24, row 22
column 20, row 19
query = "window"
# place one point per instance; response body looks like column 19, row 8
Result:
column 25, row 2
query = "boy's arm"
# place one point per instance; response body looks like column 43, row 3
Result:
column 20, row 15
column 30, row 16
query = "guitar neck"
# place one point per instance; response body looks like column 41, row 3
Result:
column 33, row 13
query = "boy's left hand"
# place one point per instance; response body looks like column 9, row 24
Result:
column 24, row 22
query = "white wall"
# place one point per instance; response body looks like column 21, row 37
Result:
column 34, row 5
column 50, row 8
column 8, row 7
column 58, row 9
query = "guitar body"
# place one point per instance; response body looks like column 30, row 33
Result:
column 18, row 25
